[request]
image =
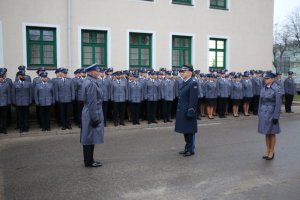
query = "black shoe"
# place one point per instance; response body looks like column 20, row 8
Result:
column 182, row 152
column 165, row 121
column 116, row 124
column 122, row 123
column 94, row 164
column 69, row 127
column 270, row 158
column 264, row 157
column 138, row 123
column 43, row 129
column 48, row 129
column 154, row 121
column 63, row 128
column 188, row 154
column 149, row 122
column 169, row 120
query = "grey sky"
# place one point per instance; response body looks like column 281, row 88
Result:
column 283, row 7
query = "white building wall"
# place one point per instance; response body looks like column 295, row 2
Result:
column 247, row 25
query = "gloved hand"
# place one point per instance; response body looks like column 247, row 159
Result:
column 94, row 124
column 191, row 113
column 275, row 121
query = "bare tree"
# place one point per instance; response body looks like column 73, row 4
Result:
column 293, row 23
column 281, row 42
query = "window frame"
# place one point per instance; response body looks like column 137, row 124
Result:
column 41, row 42
column 225, row 7
column 218, row 50
column 183, row 2
column 181, row 48
column 140, row 46
column 94, row 44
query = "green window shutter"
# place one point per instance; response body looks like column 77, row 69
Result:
column 181, row 50
column 217, row 53
column 218, row 4
column 140, row 50
column 93, row 48
column 41, row 47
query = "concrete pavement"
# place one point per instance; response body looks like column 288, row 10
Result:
column 141, row 162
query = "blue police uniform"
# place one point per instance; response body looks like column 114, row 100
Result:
column 257, row 84
column 186, row 115
column 151, row 94
column 223, row 94
column 105, row 85
column 5, row 101
column 135, row 97
column 290, row 91
column 269, row 109
column 168, row 95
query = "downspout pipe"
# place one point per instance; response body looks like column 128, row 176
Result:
column 69, row 21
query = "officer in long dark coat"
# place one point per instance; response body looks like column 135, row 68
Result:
column 269, row 113
column 186, row 115
column 92, row 129
column 5, row 101
column 290, row 91
column 22, row 99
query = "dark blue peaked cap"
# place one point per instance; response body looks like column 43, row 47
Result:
column 269, row 75
column 93, row 67
column 21, row 67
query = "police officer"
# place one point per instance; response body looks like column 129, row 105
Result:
column 105, row 85
column 36, row 81
column 10, row 83
column 222, row 93
column 135, row 97
column 75, row 82
column 248, row 92
column 5, row 100
column 186, row 116
column 56, row 106
column 92, row 129
column 237, row 94
column 27, row 77
column 269, row 113
column 257, row 84
column 152, row 94
column 22, row 99
column 44, row 96
column 168, row 95
column 65, row 94
column 290, row 91
column 210, row 90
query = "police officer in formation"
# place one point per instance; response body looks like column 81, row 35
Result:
column 22, row 97
column 290, row 91
column 217, row 91
column 5, row 100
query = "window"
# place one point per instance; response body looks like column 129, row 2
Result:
column 217, row 53
column 218, row 4
column 41, row 47
column 140, row 50
column 184, row 2
column 181, row 50
column 93, row 48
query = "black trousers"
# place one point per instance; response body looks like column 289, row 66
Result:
column 159, row 111
column 143, row 111
column 104, row 108
column 79, row 108
column 88, row 154
column 174, row 107
column 75, row 112
column 65, row 110
column 23, row 117
column 3, row 119
column 57, row 114
column 151, row 108
column 222, row 101
column 288, row 102
column 37, row 112
column 45, row 117
column 8, row 121
column 167, row 110
column 119, row 112
column 135, row 110
column 255, row 103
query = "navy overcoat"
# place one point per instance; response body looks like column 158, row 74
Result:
column 186, row 114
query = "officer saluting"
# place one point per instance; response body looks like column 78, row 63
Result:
column 186, row 115
column 92, row 129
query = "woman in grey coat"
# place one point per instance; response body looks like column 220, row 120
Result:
column 237, row 94
column 268, row 113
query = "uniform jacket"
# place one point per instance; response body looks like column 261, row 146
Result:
column 269, row 108
column 78, row 89
column 237, row 90
column 289, row 86
column 135, row 92
column 222, row 88
column 64, row 90
column 92, row 113
column 257, row 84
column 247, row 88
column 105, row 85
column 186, row 114
column 200, row 87
column 210, row 89
column 152, row 90
column 178, row 84
column 118, row 91
column 5, row 94
column 168, row 90
column 22, row 93
column 27, row 78
column 44, row 94
column 280, row 84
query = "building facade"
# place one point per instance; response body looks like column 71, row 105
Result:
column 125, row 34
